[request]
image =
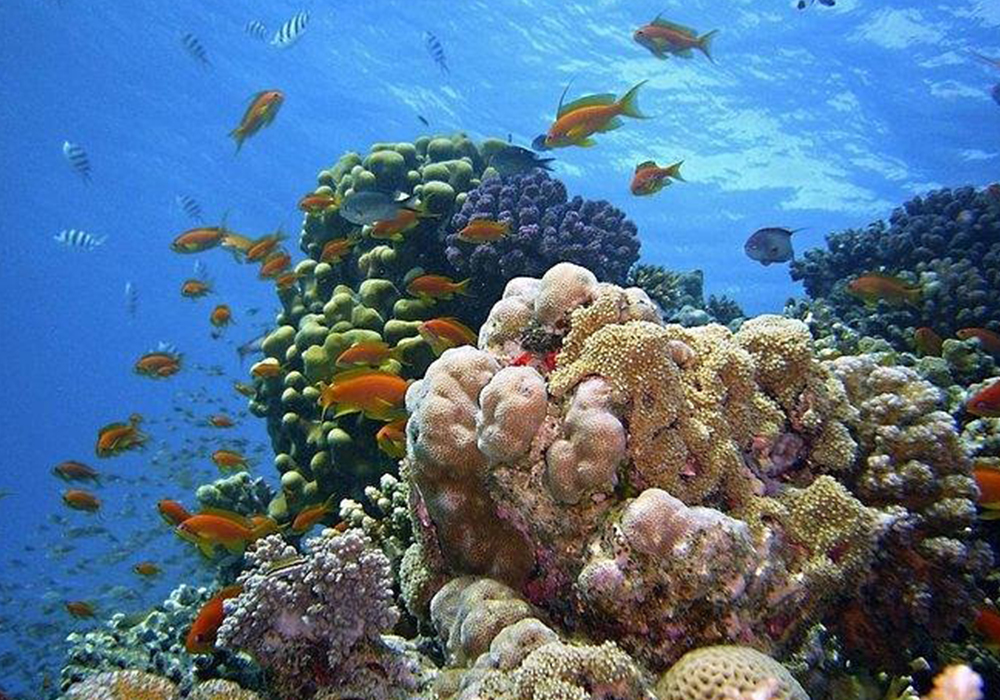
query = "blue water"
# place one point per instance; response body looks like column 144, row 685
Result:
column 824, row 118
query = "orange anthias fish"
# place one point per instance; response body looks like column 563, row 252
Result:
column 649, row 178
column 286, row 279
column 577, row 121
column 663, row 37
column 264, row 246
column 217, row 528
column 195, row 288
column 336, row 250
column 986, row 402
column 368, row 354
column 158, row 365
column 378, row 395
column 927, row 342
column 875, row 286
column 391, row 438
column 265, row 369
column 220, row 420
column 221, row 316
column 78, row 499
column 394, row 228
column 200, row 638
column 230, row 459
column 172, row 511
column 437, row 287
column 483, row 231
column 261, row 112
column 316, row 203
column 146, row 568
column 80, row 609
column 71, row 470
column 308, row 517
column 275, row 264
column 115, row 438
column 988, row 624
column 444, row 333
column 236, row 244
column 988, row 480
column 988, row 339
column 197, row 240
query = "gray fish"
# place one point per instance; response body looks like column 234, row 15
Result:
column 368, row 207
column 514, row 160
column 251, row 347
column 256, row 29
column 78, row 159
column 769, row 245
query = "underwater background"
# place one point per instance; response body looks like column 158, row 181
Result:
column 820, row 119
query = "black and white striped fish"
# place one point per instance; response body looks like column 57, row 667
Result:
column 436, row 51
column 256, row 29
column 131, row 299
column 189, row 206
column 74, row 238
column 78, row 159
column 194, row 48
column 291, row 31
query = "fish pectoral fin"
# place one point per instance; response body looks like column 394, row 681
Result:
column 345, row 409
column 207, row 549
column 235, row 547
column 585, row 143
column 612, row 124
column 685, row 53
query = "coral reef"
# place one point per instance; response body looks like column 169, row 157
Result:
column 670, row 487
column 718, row 672
column 316, row 619
column 124, row 685
column 239, row 493
column 680, row 296
column 544, row 228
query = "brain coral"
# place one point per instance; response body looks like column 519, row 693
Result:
column 724, row 672
column 687, row 486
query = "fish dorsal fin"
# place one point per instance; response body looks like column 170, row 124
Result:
column 559, row 109
column 601, row 100
column 667, row 24
column 646, row 164
column 346, row 376
column 227, row 515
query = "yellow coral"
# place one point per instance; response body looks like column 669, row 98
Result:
column 123, row 685
column 219, row 689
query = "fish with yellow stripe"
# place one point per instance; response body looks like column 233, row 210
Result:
column 579, row 120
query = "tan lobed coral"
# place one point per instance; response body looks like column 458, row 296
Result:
column 678, row 487
column 722, row 672
column 124, row 685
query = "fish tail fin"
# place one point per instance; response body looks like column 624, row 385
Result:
column 705, row 44
column 463, row 287
column 913, row 296
column 267, row 526
column 397, row 354
column 239, row 136
column 629, row 103
column 674, row 171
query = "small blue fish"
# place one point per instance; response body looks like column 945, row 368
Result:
column 78, row 159
column 190, row 206
column 436, row 51
column 195, row 49
column 291, row 31
column 256, row 29
column 73, row 238
column 251, row 347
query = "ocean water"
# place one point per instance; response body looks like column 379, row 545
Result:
column 824, row 118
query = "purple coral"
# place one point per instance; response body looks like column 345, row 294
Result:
column 545, row 229
column 311, row 619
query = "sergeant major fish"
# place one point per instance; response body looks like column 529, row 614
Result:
column 256, row 29
column 194, row 49
column 78, row 159
column 436, row 51
column 291, row 31
column 73, row 238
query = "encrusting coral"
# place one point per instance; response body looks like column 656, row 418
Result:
column 670, row 487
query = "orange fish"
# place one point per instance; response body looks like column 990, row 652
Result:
column 221, row 316
column 172, row 511
column 988, row 624
column 265, row 369
column 986, row 402
column 437, row 287
column 275, row 264
column 200, row 638
column 394, row 228
column 115, row 438
column 308, row 517
column 483, row 231
column 195, row 288
column 263, row 246
column 988, row 339
column 316, row 203
column 80, row 609
column 444, row 333
column 577, row 121
column 649, row 178
column 197, row 240
column 146, row 568
column 158, row 365
column 71, row 470
column 261, row 112
column 988, row 480
column 378, row 395
column 220, row 420
column 336, row 250
column 663, row 37
column 927, row 342
column 78, row 499
column 368, row 353
column 236, row 244
column 286, row 279
column 876, row 286
column 217, row 528
column 230, row 459
column 391, row 438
